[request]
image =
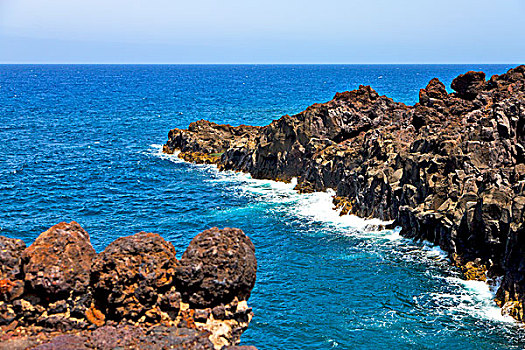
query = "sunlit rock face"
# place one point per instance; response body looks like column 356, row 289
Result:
column 450, row 169
column 59, row 293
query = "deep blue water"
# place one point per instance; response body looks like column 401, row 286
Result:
column 83, row 143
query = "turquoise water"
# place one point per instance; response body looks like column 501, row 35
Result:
column 83, row 143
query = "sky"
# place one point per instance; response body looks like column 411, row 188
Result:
column 262, row 31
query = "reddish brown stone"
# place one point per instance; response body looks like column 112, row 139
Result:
column 132, row 274
column 469, row 85
column 59, row 261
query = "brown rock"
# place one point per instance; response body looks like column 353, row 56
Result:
column 11, row 279
column 469, row 85
column 434, row 92
column 95, row 316
column 217, row 266
column 448, row 170
column 59, row 261
column 10, row 257
column 131, row 275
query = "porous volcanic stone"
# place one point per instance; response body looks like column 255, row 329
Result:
column 217, row 266
column 468, row 85
column 11, row 283
column 134, row 275
column 59, row 261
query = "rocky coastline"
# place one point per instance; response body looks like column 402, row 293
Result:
column 58, row 293
column 449, row 170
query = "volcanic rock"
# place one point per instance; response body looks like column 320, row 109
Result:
column 59, row 261
column 11, row 281
column 450, row 169
column 134, row 275
column 469, row 85
column 217, row 266
column 128, row 296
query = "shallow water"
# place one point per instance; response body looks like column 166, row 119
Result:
column 83, row 143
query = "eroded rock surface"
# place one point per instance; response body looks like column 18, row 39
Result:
column 11, row 277
column 218, row 266
column 450, row 169
column 132, row 295
column 133, row 277
column 59, row 261
column 205, row 142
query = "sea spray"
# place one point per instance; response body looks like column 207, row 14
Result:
column 471, row 298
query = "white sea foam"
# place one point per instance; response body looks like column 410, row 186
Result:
column 319, row 207
column 473, row 298
column 156, row 150
column 435, row 251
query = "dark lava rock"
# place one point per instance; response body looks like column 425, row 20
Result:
column 213, row 138
column 435, row 90
column 217, row 266
column 131, row 276
column 450, row 169
column 59, row 261
column 11, row 279
column 10, row 257
column 469, row 85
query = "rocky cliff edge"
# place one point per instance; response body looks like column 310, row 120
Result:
column 450, row 169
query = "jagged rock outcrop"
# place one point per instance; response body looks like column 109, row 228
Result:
column 205, row 142
column 450, row 169
column 59, row 294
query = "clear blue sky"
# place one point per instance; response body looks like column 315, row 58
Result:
column 265, row 31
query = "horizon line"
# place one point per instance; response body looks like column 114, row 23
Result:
column 255, row 63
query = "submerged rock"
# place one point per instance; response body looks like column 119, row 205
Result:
column 450, row 169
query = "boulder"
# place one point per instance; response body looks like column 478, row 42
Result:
column 11, row 279
column 133, row 277
column 435, row 91
column 59, row 261
column 127, row 296
column 469, row 85
column 217, row 266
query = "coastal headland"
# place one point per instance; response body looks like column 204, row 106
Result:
column 58, row 293
column 449, row 170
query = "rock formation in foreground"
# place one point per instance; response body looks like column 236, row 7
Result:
column 58, row 293
column 450, row 169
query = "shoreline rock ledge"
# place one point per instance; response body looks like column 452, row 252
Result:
column 450, row 169
column 58, row 293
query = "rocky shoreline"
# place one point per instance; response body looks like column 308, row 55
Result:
column 58, row 293
column 449, row 170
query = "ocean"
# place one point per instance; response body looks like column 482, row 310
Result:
column 83, row 143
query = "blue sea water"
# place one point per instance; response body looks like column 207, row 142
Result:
column 80, row 142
